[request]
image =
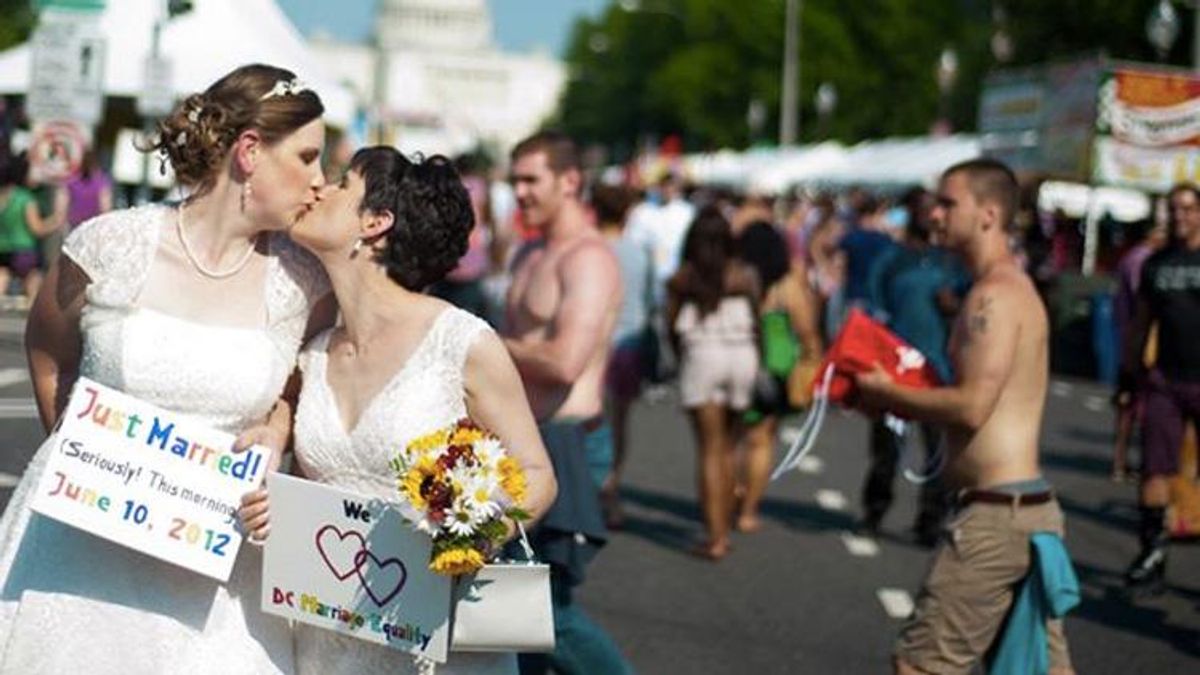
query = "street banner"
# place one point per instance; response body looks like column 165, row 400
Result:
column 1150, row 109
column 1151, row 169
column 353, row 565
column 147, row 478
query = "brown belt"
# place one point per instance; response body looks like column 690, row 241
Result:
column 1014, row 499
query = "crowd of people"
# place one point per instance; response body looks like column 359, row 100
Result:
column 36, row 213
column 542, row 307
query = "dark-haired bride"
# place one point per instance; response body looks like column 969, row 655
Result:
column 200, row 309
column 400, row 365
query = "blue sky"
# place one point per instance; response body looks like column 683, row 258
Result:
column 520, row 25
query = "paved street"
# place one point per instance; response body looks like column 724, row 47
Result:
column 794, row 598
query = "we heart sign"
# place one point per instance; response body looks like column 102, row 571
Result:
column 350, row 563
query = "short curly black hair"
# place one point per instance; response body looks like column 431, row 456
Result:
column 432, row 213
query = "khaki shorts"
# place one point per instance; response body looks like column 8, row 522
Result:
column 980, row 562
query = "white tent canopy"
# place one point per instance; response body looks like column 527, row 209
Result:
column 202, row 45
column 902, row 161
column 729, row 168
column 887, row 163
column 1079, row 201
column 798, row 166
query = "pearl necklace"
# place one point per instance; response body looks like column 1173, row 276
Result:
column 212, row 274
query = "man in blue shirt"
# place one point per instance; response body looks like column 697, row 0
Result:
column 863, row 245
column 913, row 288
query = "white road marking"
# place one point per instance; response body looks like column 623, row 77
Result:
column 831, row 500
column 1095, row 403
column 811, row 465
column 788, row 435
column 862, row 547
column 7, row 480
column 18, row 408
column 11, row 376
column 896, row 602
column 1060, row 389
column 11, row 326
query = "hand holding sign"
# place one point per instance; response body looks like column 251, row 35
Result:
column 148, row 478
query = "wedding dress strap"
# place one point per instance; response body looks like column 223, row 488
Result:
column 525, row 542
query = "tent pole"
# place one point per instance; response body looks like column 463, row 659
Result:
column 1091, row 233
column 143, row 194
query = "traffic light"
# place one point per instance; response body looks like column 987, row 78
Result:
column 177, row 7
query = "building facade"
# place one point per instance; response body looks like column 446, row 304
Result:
column 434, row 80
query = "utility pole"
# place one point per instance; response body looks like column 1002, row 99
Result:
column 789, row 108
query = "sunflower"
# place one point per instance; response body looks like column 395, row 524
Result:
column 456, row 561
column 431, row 441
column 512, row 479
column 417, row 476
column 466, row 436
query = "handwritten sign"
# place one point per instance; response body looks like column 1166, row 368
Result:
column 149, row 479
column 354, row 565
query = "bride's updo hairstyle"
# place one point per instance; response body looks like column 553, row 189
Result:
column 199, row 133
column 431, row 210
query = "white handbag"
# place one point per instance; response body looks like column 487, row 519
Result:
column 504, row 607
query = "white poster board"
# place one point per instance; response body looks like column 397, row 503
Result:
column 353, row 565
column 149, row 479
column 67, row 79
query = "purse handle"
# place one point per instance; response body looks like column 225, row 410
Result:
column 525, row 546
column 813, row 421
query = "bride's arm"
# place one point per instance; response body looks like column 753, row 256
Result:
column 496, row 401
column 276, row 430
column 53, row 342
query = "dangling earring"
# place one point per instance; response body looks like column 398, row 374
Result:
column 247, row 194
column 358, row 244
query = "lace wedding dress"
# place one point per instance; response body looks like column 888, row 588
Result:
column 72, row 602
column 425, row 394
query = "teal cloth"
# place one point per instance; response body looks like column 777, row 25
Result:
column 1050, row 590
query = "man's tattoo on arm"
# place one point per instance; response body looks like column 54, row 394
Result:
column 977, row 321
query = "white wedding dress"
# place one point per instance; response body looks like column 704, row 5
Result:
column 424, row 395
column 74, row 603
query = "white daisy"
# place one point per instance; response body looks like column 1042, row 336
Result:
column 488, row 451
column 478, row 492
column 461, row 520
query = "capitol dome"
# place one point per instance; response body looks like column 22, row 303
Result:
column 438, row 25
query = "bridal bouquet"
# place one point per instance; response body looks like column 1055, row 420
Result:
column 456, row 484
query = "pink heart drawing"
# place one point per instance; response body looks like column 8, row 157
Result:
column 340, row 550
column 390, row 573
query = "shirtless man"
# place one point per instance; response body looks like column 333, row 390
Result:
column 992, row 416
column 561, row 311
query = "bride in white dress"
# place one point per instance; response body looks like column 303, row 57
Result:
column 401, row 364
column 200, row 309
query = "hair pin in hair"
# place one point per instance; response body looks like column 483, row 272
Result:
column 194, row 114
column 285, row 88
column 181, row 138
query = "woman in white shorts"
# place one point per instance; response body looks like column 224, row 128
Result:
column 712, row 310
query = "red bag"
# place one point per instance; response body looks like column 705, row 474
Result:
column 861, row 344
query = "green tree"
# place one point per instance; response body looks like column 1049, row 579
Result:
column 1044, row 31
column 16, row 21
column 693, row 67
